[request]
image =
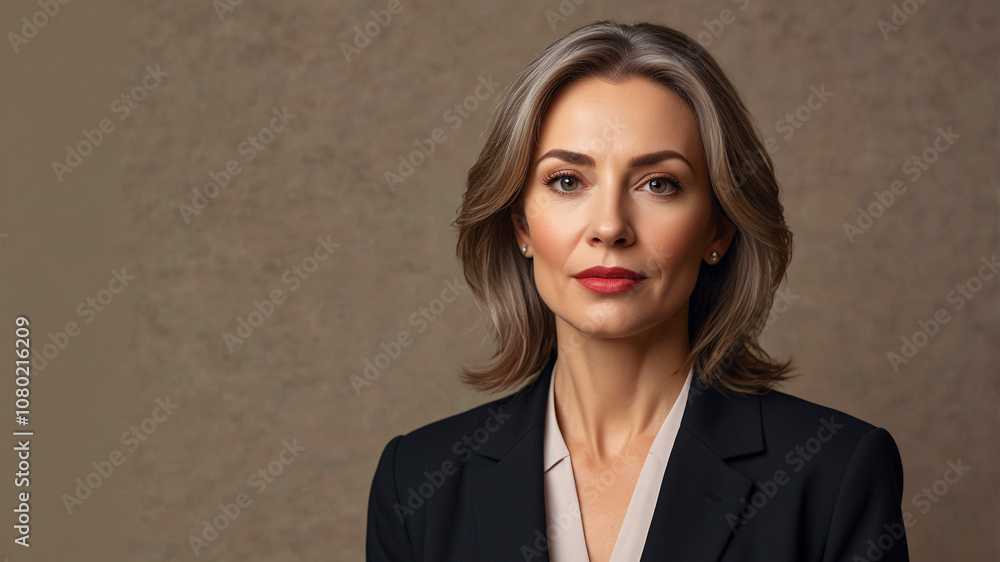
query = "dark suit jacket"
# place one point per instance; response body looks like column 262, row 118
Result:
column 764, row 477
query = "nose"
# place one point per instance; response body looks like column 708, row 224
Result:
column 610, row 220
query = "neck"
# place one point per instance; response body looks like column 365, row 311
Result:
column 613, row 392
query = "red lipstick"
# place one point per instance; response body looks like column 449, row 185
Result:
column 608, row 280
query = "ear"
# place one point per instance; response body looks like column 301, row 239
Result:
column 520, row 227
column 721, row 234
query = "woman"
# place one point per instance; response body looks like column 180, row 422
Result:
column 623, row 229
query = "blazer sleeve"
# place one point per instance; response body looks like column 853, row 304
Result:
column 867, row 521
column 387, row 539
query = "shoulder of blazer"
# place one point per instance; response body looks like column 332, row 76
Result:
column 818, row 443
column 789, row 420
column 447, row 482
column 489, row 430
column 840, row 478
column 760, row 433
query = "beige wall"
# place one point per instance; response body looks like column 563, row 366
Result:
column 322, row 176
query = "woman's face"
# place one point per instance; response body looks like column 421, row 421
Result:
column 619, row 179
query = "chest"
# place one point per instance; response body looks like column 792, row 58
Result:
column 604, row 491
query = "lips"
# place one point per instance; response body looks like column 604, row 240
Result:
column 608, row 273
column 608, row 280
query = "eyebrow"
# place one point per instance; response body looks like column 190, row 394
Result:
column 581, row 159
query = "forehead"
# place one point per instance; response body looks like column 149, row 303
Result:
column 594, row 116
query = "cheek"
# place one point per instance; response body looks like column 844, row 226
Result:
column 679, row 240
column 553, row 236
column 553, row 239
column 685, row 238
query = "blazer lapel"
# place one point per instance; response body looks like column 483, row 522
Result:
column 700, row 496
column 509, row 496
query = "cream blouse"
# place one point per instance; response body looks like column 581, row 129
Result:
column 562, row 506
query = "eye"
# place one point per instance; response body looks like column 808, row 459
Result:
column 565, row 183
column 562, row 182
column 568, row 183
column 664, row 185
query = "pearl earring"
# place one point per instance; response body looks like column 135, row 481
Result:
column 714, row 257
column 524, row 248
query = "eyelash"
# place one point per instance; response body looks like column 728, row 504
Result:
column 551, row 179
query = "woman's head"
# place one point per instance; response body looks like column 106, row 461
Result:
column 625, row 145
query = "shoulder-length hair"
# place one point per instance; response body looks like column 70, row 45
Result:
column 731, row 299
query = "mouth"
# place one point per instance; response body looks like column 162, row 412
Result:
column 608, row 280
column 601, row 272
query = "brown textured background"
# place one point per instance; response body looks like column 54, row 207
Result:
column 323, row 176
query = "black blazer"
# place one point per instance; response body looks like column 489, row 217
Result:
column 764, row 477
